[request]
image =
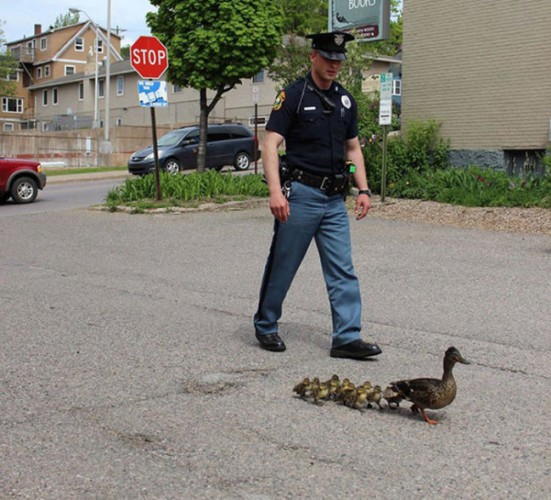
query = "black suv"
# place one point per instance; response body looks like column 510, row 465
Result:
column 227, row 144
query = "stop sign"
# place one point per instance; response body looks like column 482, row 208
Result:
column 149, row 57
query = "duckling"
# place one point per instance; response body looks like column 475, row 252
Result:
column 320, row 393
column 345, row 388
column 375, row 396
column 392, row 397
column 333, row 384
column 432, row 393
column 303, row 388
column 358, row 399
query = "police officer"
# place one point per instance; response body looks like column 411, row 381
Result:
column 317, row 118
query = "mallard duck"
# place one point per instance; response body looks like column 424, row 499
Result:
column 431, row 393
column 320, row 393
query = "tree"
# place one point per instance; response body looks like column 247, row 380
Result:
column 65, row 20
column 310, row 16
column 213, row 44
column 7, row 66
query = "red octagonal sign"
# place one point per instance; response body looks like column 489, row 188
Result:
column 149, row 57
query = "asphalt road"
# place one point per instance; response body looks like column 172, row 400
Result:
column 129, row 369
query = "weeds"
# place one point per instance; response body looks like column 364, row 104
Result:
column 186, row 190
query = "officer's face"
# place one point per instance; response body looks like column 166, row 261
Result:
column 324, row 70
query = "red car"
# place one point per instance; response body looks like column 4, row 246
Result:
column 20, row 179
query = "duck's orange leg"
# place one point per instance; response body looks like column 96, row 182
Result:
column 427, row 419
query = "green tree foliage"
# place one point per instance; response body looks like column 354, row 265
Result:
column 66, row 20
column 7, row 66
column 213, row 44
column 303, row 17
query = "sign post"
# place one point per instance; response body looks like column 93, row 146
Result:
column 385, row 119
column 149, row 57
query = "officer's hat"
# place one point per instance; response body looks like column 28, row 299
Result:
column 331, row 45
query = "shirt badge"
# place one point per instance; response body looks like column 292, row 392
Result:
column 280, row 99
column 346, row 101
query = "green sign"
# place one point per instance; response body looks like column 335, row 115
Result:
column 368, row 19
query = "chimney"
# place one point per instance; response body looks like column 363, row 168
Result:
column 37, row 29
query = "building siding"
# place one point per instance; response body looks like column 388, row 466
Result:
column 481, row 69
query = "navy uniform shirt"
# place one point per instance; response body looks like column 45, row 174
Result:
column 314, row 134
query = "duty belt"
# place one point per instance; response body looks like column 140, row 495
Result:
column 332, row 184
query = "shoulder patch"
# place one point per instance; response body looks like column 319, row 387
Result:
column 280, row 99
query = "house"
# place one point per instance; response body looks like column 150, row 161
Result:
column 384, row 64
column 50, row 56
column 482, row 70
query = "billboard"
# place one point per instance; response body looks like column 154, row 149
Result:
column 368, row 19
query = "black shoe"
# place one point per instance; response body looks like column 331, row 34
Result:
column 358, row 349
column 270, row 342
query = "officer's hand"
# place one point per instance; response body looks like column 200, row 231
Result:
column 363, row 204
column 279, row 206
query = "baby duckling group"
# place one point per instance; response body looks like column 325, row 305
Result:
column 358, row 397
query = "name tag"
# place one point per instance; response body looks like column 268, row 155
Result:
column 310, row 108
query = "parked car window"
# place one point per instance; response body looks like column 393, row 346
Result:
column 172, row 138
column 218, row 136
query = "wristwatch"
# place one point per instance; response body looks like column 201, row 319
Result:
column 365, row 191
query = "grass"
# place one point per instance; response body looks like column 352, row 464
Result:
column 186, row 190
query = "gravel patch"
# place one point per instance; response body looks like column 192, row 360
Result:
column 511, row 220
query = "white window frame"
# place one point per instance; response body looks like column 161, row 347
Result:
column 18, row 104
column 45, row 97
column 79, row 44
column 8, row 127
column 46, row 71
column 72, row 67
column 176, row 88
column 397, row 87
column 120, row 85
column 12, row 76
column 101, row 88
column 38, row 72
column 99, row 46
column 43, row 44
column 54, row 96
column 259, row 77
column 80, row 91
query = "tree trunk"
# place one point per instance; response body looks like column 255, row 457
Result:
column 203, row 121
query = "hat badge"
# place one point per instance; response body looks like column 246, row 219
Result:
column 339, row 38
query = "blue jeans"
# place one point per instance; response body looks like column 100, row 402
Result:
column 323, row 218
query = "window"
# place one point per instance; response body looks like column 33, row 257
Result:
column 259, row 77
column 69, row 70
column 13, row 76
column 218, row 136
column 38, row 72
column 44, row 98
column 100, row 46
column 12, row 105
column 120, row 85
column 8, row 127
column 176, row 88
column 118, row 122
column 81, row 91
column 79, row 44
column 54, row 96
column 101, row 87
column 397, row 87
column 47, row 70
column 43, row 44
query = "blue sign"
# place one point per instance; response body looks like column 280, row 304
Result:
column 152, row 93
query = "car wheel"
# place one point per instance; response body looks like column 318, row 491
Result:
column 242, row 161
column 172, row 166
column 24, row 190
column 4, row 197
